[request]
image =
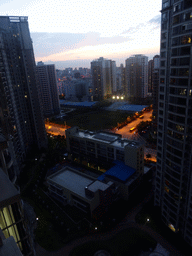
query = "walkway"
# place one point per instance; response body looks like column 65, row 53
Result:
column 127, row 222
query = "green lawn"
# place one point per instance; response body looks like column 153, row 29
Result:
column 127, row 242
column 97, row 120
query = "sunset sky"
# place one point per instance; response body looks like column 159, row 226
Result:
column 71, row 33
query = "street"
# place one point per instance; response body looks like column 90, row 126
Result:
column 57, row 129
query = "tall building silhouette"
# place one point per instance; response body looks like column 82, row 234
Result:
column 104, row 77
column 155, row 89
column 137, row 76
column 173, row 185
column 48, row 89
column 19, row 86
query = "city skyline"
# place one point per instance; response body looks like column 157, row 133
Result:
column 73, row 33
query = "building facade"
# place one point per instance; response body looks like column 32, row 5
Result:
column 12, row 216
column 104, row 78
column 19, row 84
column 155, row 89
column 137, row 76
column 104, row 147
column 173, row 184
column 91, row 195
column 47, row 81
column 150, row 74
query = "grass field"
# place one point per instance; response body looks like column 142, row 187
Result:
column 97, row 120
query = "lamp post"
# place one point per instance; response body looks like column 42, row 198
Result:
column 147, row 221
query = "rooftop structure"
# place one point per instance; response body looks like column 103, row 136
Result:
column 83, row 191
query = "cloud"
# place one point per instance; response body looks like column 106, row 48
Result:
column 155, row 20
column 133, row 30
column 153, row 24
column 46, row 44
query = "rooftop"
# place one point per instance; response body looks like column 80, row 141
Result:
column 113, row 139
column 71, row 180
column 78, row 104
column 98, row 185
column 120, row 172
column 98, row 136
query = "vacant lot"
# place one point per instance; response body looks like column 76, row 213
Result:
column 97, row 120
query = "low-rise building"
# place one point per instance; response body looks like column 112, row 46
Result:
column 103, row 147
column 70, row 186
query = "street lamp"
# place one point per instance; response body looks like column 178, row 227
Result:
column 147, row 221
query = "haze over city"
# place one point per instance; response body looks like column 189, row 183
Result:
column 73, row 33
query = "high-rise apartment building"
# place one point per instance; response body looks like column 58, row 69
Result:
column 137, row 76
column 19, row 86
column 150, row 76
column 173, row 185
column 12, row 223
column 47, row 80
column 104, row 77
column 155, row 89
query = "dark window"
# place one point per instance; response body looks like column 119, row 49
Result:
column 173, row 81
column 184, row 61
column 163, row 45
column 164, row 25
column 182, row 82
column 164, row 35
column 185, row 50
column 162, row 72
column 162, row 80
column 175, row 41
column 173, row 72
column 163, row 54
column 183, row 72
column 187, row 4
column 173, row 62
column 174, row 52
column 176, row 30
column 162, row 63
column 176, row 19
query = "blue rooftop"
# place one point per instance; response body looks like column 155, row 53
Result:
column 134, row 108
column 120, row 171
column 78, row 104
